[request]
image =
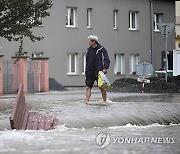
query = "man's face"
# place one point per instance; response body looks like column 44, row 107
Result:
column 91, row 43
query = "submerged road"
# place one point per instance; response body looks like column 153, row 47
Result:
column 131, row 123
column 123, row 108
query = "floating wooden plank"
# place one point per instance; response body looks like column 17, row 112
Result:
column 36, row 121
column 30, row 121
column 21, row 118
column 48, row 122
column 25, row 121
column 55, row 122
column 41, row 122
column 17, row 114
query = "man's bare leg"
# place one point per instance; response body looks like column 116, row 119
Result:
column 88, row 94
column 103, row 92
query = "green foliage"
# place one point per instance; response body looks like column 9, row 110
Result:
column 18, row 17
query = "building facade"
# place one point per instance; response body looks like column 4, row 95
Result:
column 178, row 25
column 126, row 28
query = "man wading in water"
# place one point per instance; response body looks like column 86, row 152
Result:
column 97, row 59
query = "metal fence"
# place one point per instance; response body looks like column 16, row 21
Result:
column 10, row 77
column 33, row 76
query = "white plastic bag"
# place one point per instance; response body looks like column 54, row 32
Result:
column 103, row 80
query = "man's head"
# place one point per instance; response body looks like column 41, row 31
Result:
column 93, row 40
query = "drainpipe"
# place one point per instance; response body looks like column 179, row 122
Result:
column 152, row 29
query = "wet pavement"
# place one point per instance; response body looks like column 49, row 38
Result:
column 130, row 123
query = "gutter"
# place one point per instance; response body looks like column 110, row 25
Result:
column 151, row 30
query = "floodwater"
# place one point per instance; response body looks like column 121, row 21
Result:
column 129, row 124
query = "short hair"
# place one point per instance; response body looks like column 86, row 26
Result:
column 93, row 38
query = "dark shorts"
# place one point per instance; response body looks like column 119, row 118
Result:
column 90, row 81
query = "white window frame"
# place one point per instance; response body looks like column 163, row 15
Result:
column 115, row 17
column 83, row 63
column 71, row 15
column 134, row 60
column 69, row 64
column 133, row 20
column 157, row 19
column 119, row 67
column 89, row 12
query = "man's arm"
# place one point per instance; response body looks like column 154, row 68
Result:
column 106, row 60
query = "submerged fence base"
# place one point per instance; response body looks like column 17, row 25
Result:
column 22, row 119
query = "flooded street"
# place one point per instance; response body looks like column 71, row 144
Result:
column 130, row 124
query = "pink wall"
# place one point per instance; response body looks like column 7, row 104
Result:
column 42, row 68
column 44, row 76
column 22, row 72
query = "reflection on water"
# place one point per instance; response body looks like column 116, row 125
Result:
column 136, row 116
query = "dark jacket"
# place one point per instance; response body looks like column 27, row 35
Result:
column 96, row 60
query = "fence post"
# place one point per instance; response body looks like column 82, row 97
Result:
column 1, row 75
column 22, row 71
column 44, row 76
column 43, row 73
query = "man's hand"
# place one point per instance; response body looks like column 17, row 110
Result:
column 104, row 70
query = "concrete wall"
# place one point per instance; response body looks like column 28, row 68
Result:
column 60, row 40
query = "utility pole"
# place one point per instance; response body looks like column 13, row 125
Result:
column 165, row 29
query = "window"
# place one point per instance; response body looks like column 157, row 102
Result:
column 133, row 24
column 115, row 14
column 89, row 10
column 157, row 19
column 71, row 17
column 119, row 67
column 134, row 60
column 72, row 63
